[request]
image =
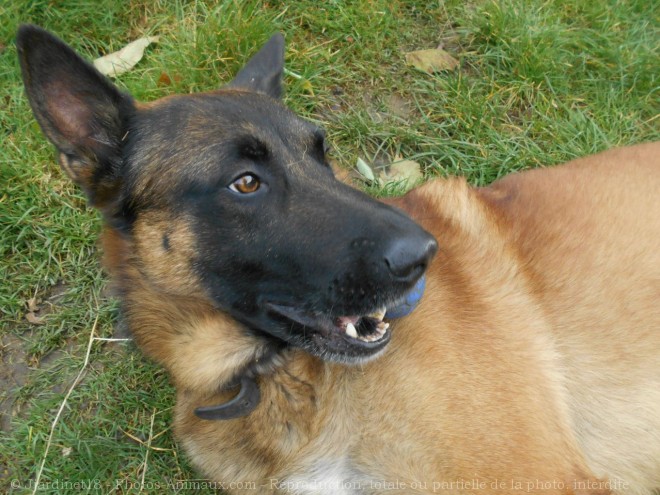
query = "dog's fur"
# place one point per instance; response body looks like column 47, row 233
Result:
column 532, row 364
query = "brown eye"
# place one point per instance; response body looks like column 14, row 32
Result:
column 245, row 184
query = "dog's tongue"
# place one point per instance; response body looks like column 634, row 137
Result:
column 410, row 302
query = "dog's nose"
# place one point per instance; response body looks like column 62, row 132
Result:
column 407, row 257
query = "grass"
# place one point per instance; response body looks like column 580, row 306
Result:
column 540, row 82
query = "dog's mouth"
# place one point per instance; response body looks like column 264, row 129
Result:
column 351, row 338
column 369, row 328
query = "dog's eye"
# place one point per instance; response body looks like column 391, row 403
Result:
column 245, row 184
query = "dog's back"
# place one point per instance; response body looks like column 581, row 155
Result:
column 577, row 281
column 588, row 235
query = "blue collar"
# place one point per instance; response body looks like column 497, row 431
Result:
column 410, row 302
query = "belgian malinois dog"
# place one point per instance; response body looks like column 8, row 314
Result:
column 263, row 284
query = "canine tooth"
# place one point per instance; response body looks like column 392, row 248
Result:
column 382, row 327
column 351, row 331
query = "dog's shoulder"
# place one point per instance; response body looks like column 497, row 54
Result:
column 447, row 204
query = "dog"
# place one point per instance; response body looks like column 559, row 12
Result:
column 530, row 364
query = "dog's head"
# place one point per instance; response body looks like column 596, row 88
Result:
column 227, row 196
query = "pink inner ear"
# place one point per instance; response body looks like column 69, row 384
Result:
column 69, row 115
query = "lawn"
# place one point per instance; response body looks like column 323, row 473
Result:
column 538, row 82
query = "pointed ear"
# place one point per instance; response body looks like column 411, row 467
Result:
column 79, row 110
column 263, row 72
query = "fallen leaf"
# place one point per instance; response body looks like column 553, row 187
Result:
column 34, row 319
column 116, row 63
column 66, row 451
column 33, row 304
column 406, row 169
column 164, row 79
column 365, row 170
column 407, row 172
column 430, row 61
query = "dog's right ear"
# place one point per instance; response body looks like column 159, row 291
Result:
column 78, row 109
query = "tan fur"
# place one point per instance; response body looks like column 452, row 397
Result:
column 532, row 364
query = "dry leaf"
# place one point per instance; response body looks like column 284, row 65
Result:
column 403, row 171
column 365, row 170
column 33, row 304
column 164, row 79
column 430, row 61
column 66, row 451
column 116, row 63
column 34, row 319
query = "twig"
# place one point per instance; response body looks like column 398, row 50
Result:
column 146, row 455
column 144, row 444
column 63, row 404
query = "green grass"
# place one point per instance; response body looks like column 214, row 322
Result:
column 540, row 82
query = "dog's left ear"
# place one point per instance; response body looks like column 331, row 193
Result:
column 263, row 72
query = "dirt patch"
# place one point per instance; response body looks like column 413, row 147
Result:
column 14, row 370
column 16, row 362
column 399, row 106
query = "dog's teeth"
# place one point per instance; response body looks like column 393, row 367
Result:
column 382, row 327
column 379, row 314
column 351, row 331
